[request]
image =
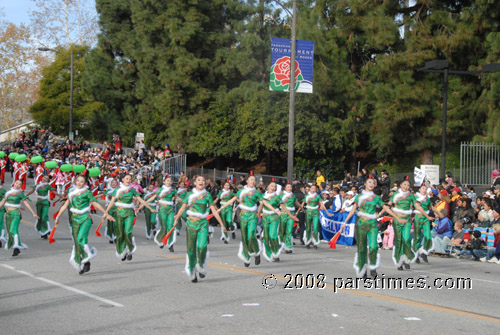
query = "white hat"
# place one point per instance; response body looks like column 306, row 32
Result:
column 350, row 193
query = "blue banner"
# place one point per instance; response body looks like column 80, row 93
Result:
column 331, row 225
column 280, row 65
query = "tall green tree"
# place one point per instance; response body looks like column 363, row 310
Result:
column 51, row 109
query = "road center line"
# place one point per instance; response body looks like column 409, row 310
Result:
column 66, row 287
column 356, row 292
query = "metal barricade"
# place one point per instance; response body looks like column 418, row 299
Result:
column 477, row 161
column 174, row 166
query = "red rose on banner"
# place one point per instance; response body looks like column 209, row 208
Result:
column 282, row 70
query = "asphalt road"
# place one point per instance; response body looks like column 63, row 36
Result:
column 40, row 292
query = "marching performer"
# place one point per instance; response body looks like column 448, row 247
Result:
column 165, row 196
column 270, row 223
column 287, row 221
column 421, row 225
column 313, row 203
column 403, row 201
column 224, row 196
column 366, row 204
column 23, row 174
column 111, row 225
column 198, row 202
column 80, row 199
column 12, row 203
column 181, row 195
column 39, row 173
column 3, row 163
column 248, row 197
column 42, row 225
column 3, row 233
column 123, row 198
column 150, row 217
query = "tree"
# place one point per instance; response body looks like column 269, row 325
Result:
column 19, row 73
column 64, row 22
column 51, row 109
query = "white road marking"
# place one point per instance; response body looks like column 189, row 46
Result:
column 66, row 287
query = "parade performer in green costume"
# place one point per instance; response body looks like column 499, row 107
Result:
column 12, row 203
column 198, row 202
column 123, row 198
column 42, row 225
column 403, row 201
column 181, row 195
column 149, row 216
column 313, row 203
column 270, row 223
column 111, row 225
column 227, row 214
column 286, row 221
column 3, row 233
column 165, row 196
column 366, row 204
column 422, row 224
column 81, row 199
column 248, row 197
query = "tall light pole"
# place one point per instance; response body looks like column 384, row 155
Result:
column 70, row 88
column 291, row 88
column 442, row 66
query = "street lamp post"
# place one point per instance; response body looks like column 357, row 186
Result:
column 70, row 87
column 291, row 88
column 442, row 66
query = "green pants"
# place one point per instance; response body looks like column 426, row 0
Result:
column 197, row 253
column 272, row 243
column 81, row 253
column 250, row 245
column 3, row 233
column 125, row 242
column 150, row 222
column 111, row 226
column 311, row 233
column 366, row 240
column 166, row 218
column 227, row 219
column 12, row 220
column 402, row 252
column 286, row 231
column 42, row 225
column 422, row 225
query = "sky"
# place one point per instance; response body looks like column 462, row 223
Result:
column 17, row 11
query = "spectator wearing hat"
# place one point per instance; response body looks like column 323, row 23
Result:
column 444, row 202
column 476, row 247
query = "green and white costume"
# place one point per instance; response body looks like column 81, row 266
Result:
column 110, row 226
column 80, row 199
column 402, row 252
column 249, row 245
column 42, row 225
column 13, row 218
column 151, row 219
column 125, row 241
column 3, row 233
column 367, row 256
column 286, row 222
column 226, row 214
column 311, row 234
column 198, row 206
column 422, row 225
column 270, row 223
column 166, row 197
column 181, row 193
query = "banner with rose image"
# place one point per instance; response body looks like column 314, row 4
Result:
column 280, row 65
